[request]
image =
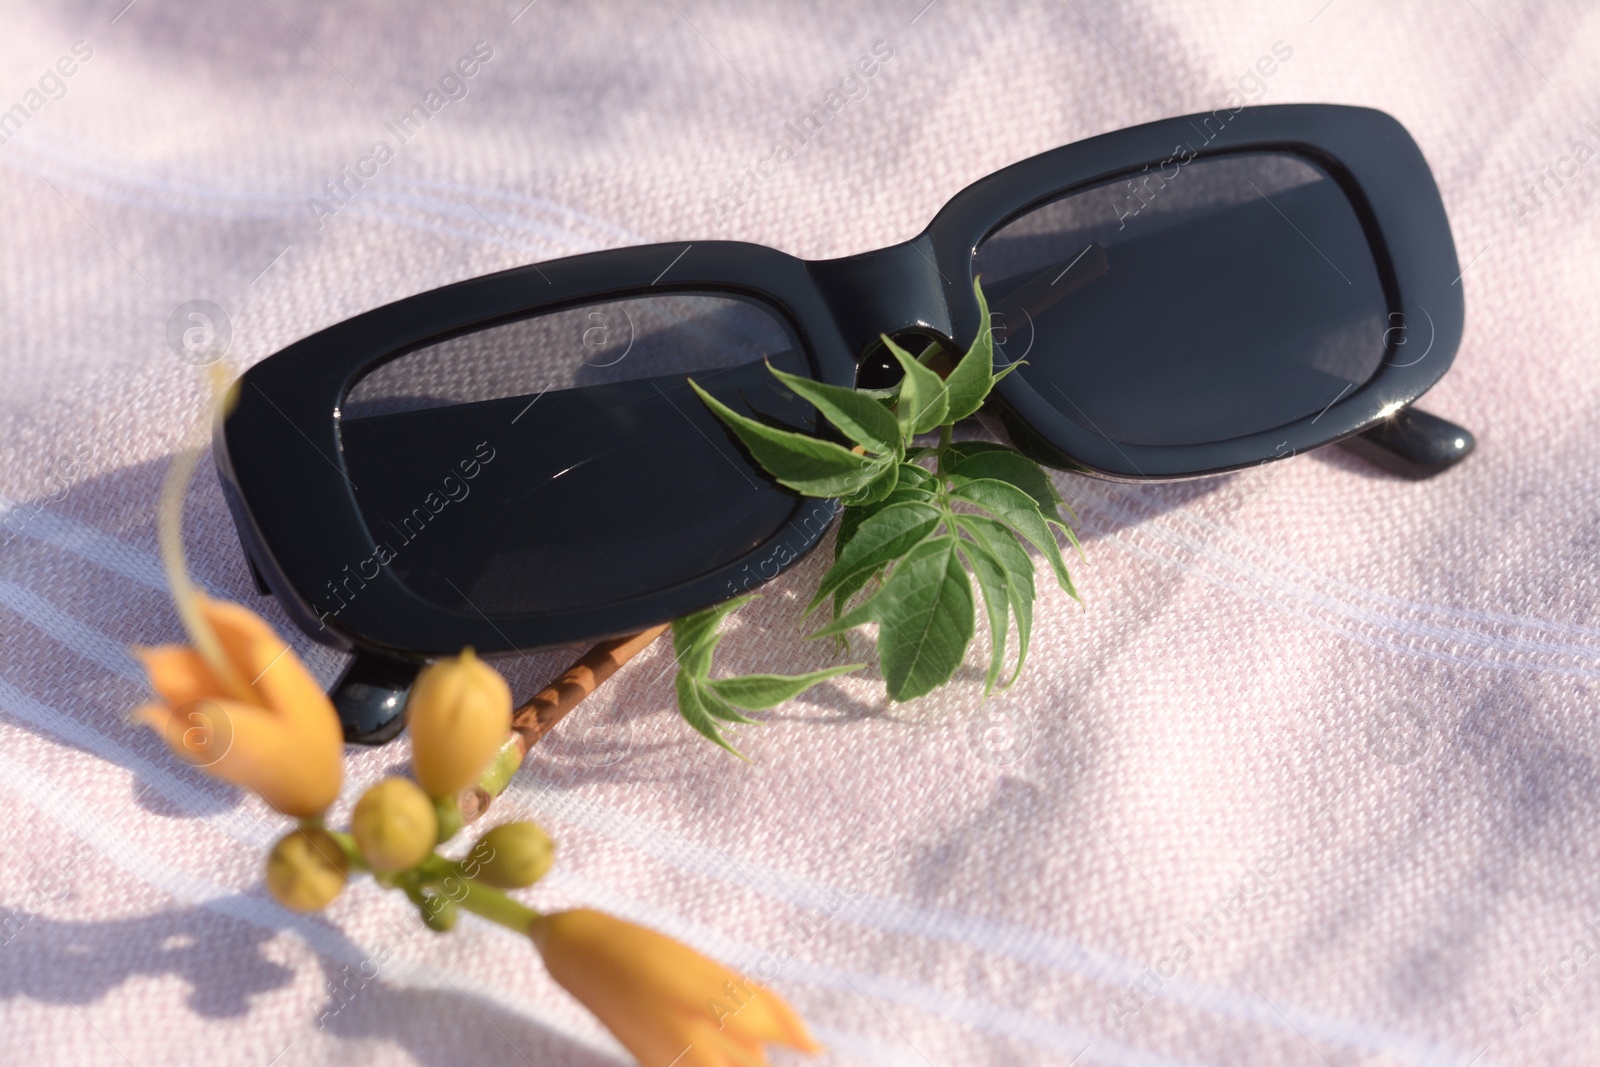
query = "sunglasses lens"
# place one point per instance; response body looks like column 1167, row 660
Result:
column 562, row 461
column 1194, row 301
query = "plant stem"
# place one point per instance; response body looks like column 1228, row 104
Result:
column 490, row 903
column 505, row 764
column 448, row 812
column 186, row 596
column 352, row 852
column 480, row 899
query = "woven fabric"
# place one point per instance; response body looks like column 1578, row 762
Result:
column 1309, row 778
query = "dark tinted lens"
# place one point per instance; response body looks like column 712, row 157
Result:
column 1194, row 302
column 562, row 461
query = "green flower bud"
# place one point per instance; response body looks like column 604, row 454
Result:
column 394, row 825
column 306, row 869
column 439, row 913
column 511, row 856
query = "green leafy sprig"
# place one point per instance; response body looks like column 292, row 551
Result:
column 919, row 525
column 705, row 702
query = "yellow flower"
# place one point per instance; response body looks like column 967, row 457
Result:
column 394, row 825
column 459, row 714
column 664, row 1001
column 275, row 732
column 306, row 869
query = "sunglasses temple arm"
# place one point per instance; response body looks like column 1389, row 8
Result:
column 544, row 709
column 1413, row 444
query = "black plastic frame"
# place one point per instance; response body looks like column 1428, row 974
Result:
column 278, row 450
column 1393, row 192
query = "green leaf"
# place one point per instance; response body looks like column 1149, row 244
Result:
column 883, row 492
column 757, row 692
column 933, row 352
column 996, row 601
column 1006, row 370
column 702, row 702
column 716, row 705
column 849, row 588
column 864, row 612
column 855, row 514
column 1017, row 510
column 808, row 465
column 962, row 449
column 1005, row 465
column 849, row 522
column 880, row 540
column 694, row 712
column 695, row 637
column 1018, row 567
column 925, row 619
column 923, row 400
column 906, row 493
column 916, row 475
column 881, row 485
column 859, row 417
column 924, row 611
column 973, row 376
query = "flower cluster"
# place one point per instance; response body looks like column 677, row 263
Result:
column 241, row 705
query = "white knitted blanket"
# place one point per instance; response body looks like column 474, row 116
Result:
column 1310, row 778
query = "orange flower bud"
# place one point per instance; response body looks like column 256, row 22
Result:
column 279, row 737
column 459, row 714
column 394, row 824
column 306, row 869
column 664, row 1001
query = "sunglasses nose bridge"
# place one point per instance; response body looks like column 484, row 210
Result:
column 890, row 291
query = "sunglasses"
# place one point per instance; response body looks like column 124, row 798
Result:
column 517, row 462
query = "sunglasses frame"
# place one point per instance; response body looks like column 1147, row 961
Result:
column 278, row 448
column 1382, row 172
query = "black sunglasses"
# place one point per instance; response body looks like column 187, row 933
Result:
column 516, row 461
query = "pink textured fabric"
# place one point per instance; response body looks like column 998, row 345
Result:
column 1309, row 778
